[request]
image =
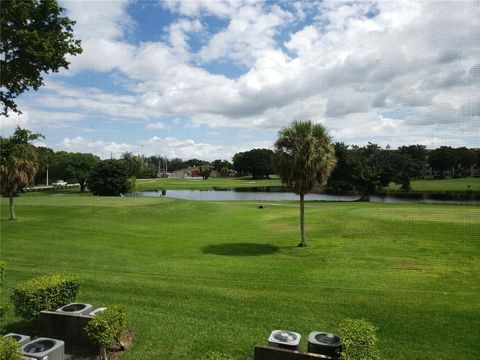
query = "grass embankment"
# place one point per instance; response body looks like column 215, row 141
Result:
column 442, row 185
column 434, row 185
column 199, row 184
column 199, row 276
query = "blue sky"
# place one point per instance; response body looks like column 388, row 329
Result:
column 209, row 78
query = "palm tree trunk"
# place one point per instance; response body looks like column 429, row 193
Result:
column 12, row 207
column 302, row 221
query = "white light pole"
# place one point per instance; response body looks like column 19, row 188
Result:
column 47, row 172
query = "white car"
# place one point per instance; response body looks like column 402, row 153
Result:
column 59, row 184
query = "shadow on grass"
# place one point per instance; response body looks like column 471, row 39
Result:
column 23, row 327
column 240, row 249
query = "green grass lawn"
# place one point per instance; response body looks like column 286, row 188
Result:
column 465, row 184
column 437, row 185
column 202, row 276
column 199, row 184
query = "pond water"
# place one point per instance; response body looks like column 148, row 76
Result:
column 266, row 194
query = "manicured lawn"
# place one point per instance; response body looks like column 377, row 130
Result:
column 201, row 276
column 436, row 185
column 199, row 184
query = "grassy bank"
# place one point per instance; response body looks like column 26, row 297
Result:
column 199, row 184
column 442, row 185
column 199, row 276
column 465, row 184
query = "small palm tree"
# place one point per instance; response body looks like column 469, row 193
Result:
column 304, row 157
column 17, row 164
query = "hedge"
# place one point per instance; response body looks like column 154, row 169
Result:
column 359, row 340
column 47, row 292
column 107, row 329
column 9, row 349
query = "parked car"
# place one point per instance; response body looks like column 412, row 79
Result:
column 59, row 184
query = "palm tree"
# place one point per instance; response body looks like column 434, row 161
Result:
column 17, row 164
column 304, row 157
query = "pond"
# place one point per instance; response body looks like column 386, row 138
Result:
column 277, row 194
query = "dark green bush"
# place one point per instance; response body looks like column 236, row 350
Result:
column 109, row 178
column 9, row 349
column 3, row 305
column 108, row 328
column 47, row 292
column 359, row 340
column 2, row 271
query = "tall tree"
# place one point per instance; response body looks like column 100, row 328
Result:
column 340, row 178
column 46, row 162
column 34, row 41
column 304, row 157
column 442, row 159
column 133, row 164
column 109, row 178
column 418, row 158
column 17, row 164
column 369, row 169
column 463, row 159
column 257, row 162
column 76, row 166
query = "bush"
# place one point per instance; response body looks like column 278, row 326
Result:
column 359, row 340
column 107, row 329
column 109, row 177
column 3, row 305
column 9, row 349
column 2, row 271
column 47, row 292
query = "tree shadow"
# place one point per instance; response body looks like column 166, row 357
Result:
column 240, row 249
column 23, row 327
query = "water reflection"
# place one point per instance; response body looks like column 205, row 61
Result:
column 284, row 194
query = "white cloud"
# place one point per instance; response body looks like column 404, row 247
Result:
column 157, row 126
column 355, row 62
column 249, row 34
column 104, row 149
column 99, row 19
column 219, row 8
column 171, row 147
column 36, row 120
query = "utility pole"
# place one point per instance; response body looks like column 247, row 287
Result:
column 159, row 165
column 47, row 172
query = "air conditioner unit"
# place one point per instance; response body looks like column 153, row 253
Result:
column 96, row 311
column 325, row 344
column 44, row 349
column 76, row 308
column 21, row 339
column 284, row 339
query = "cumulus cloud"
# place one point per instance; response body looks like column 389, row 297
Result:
column 171, row 147
column 37, row 120
column 104, row 149
column 157, row 126
column 350, row 65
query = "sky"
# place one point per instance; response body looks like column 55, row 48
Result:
column 208, row 78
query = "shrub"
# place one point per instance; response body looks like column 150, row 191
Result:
column 2, row 271
column 47, row 292
column 109, row 178
column 9, row 349
column 359, row 340
column 107, row 329
column 3, row 305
